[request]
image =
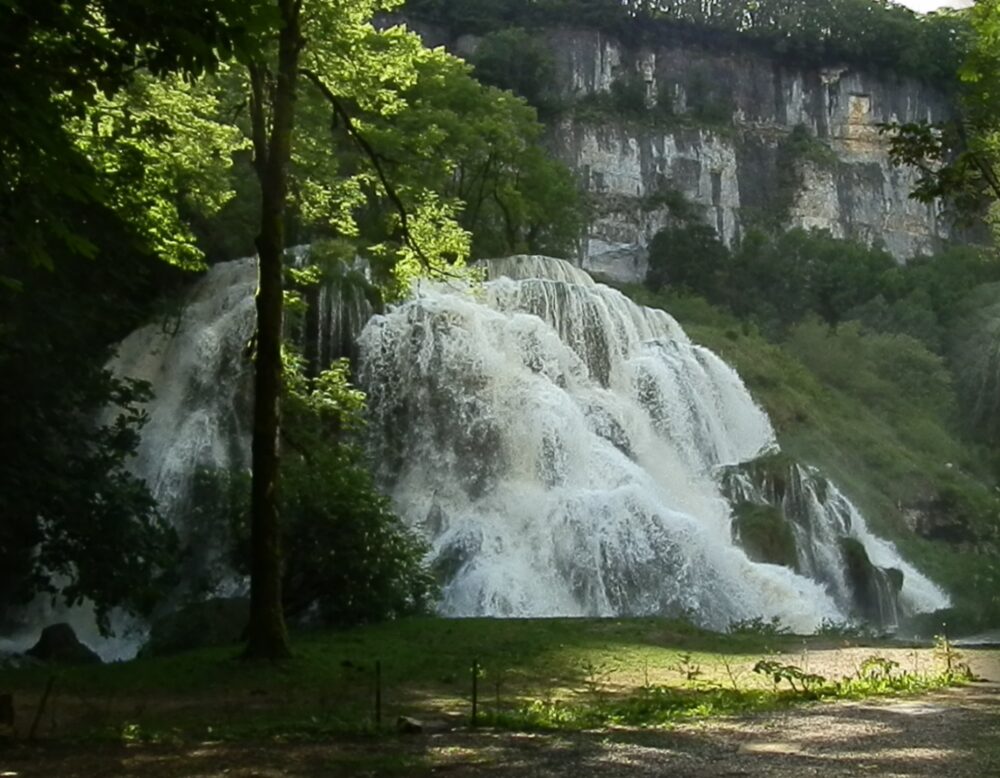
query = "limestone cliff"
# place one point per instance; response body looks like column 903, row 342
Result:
column 716, row 131
column 737, row 167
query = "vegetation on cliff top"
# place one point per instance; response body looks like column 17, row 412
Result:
column 873, row 34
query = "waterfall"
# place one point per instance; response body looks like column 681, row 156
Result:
column 863, row 573
column 561, row 449
column 564, row 451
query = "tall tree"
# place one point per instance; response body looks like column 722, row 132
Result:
column 332, row 47
column 267, row 637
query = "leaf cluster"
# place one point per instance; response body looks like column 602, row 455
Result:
column 347, row 558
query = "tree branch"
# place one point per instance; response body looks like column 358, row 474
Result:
column 373, row 157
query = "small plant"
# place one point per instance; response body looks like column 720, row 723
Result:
column 758, row 626
column 834, row 628
column 954, row 665
column 733, row 675
column 797, row 678
column 594, row 676
column 687, row 668
column 877, row 668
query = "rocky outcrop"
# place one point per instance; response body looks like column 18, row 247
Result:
column 788, row 514
column 717, row 131
column 59, row 644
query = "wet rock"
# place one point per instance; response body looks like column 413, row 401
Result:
column 59, row 644
column 765, row 534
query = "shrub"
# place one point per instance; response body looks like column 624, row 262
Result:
column 348, row 558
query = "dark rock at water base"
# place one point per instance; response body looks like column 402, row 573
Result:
column 765, row 534
column 216, row 622
column 875, row 590
column 59, row 644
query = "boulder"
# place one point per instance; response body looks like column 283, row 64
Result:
column 765, row 534
column 59, row 644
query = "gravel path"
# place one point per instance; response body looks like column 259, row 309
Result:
column 952, row 733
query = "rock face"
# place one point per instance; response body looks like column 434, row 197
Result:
column 718, row 133
column 59, row 644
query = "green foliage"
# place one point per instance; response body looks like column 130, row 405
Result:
column 951, row 659
column 801, row 144
column 347, row 558
column 120, row 147
column 774, row 280
column 58, row 60
column 92, row 150
column 628, row 95
column 709, row 100
column 515, row 60
column 543, row 665
column 864, row 33
column 480, row 148
column 877, row 413
column 758, row 625
column 796, row 678
column 892, row 374
column 664, row 705
column 973, row 348
column 959, row 159
column 689, row 256
column 780, row 279
column 159, row 152
column 463, row 160
column 76, row 522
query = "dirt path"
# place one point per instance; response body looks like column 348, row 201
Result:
column 948, row 734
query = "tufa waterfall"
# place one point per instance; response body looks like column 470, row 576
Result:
column 564, row 451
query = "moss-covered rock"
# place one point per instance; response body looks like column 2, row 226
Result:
column 874, row 589
column 770, row 474
column 765, row 534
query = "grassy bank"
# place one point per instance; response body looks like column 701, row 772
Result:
column 551, row 673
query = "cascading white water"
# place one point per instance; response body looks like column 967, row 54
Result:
column 197, row 362
column 821, row 517
column 558, row 445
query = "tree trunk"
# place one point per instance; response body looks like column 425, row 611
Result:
column 267, row 637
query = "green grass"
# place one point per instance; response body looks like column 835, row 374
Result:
column 561, row 673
